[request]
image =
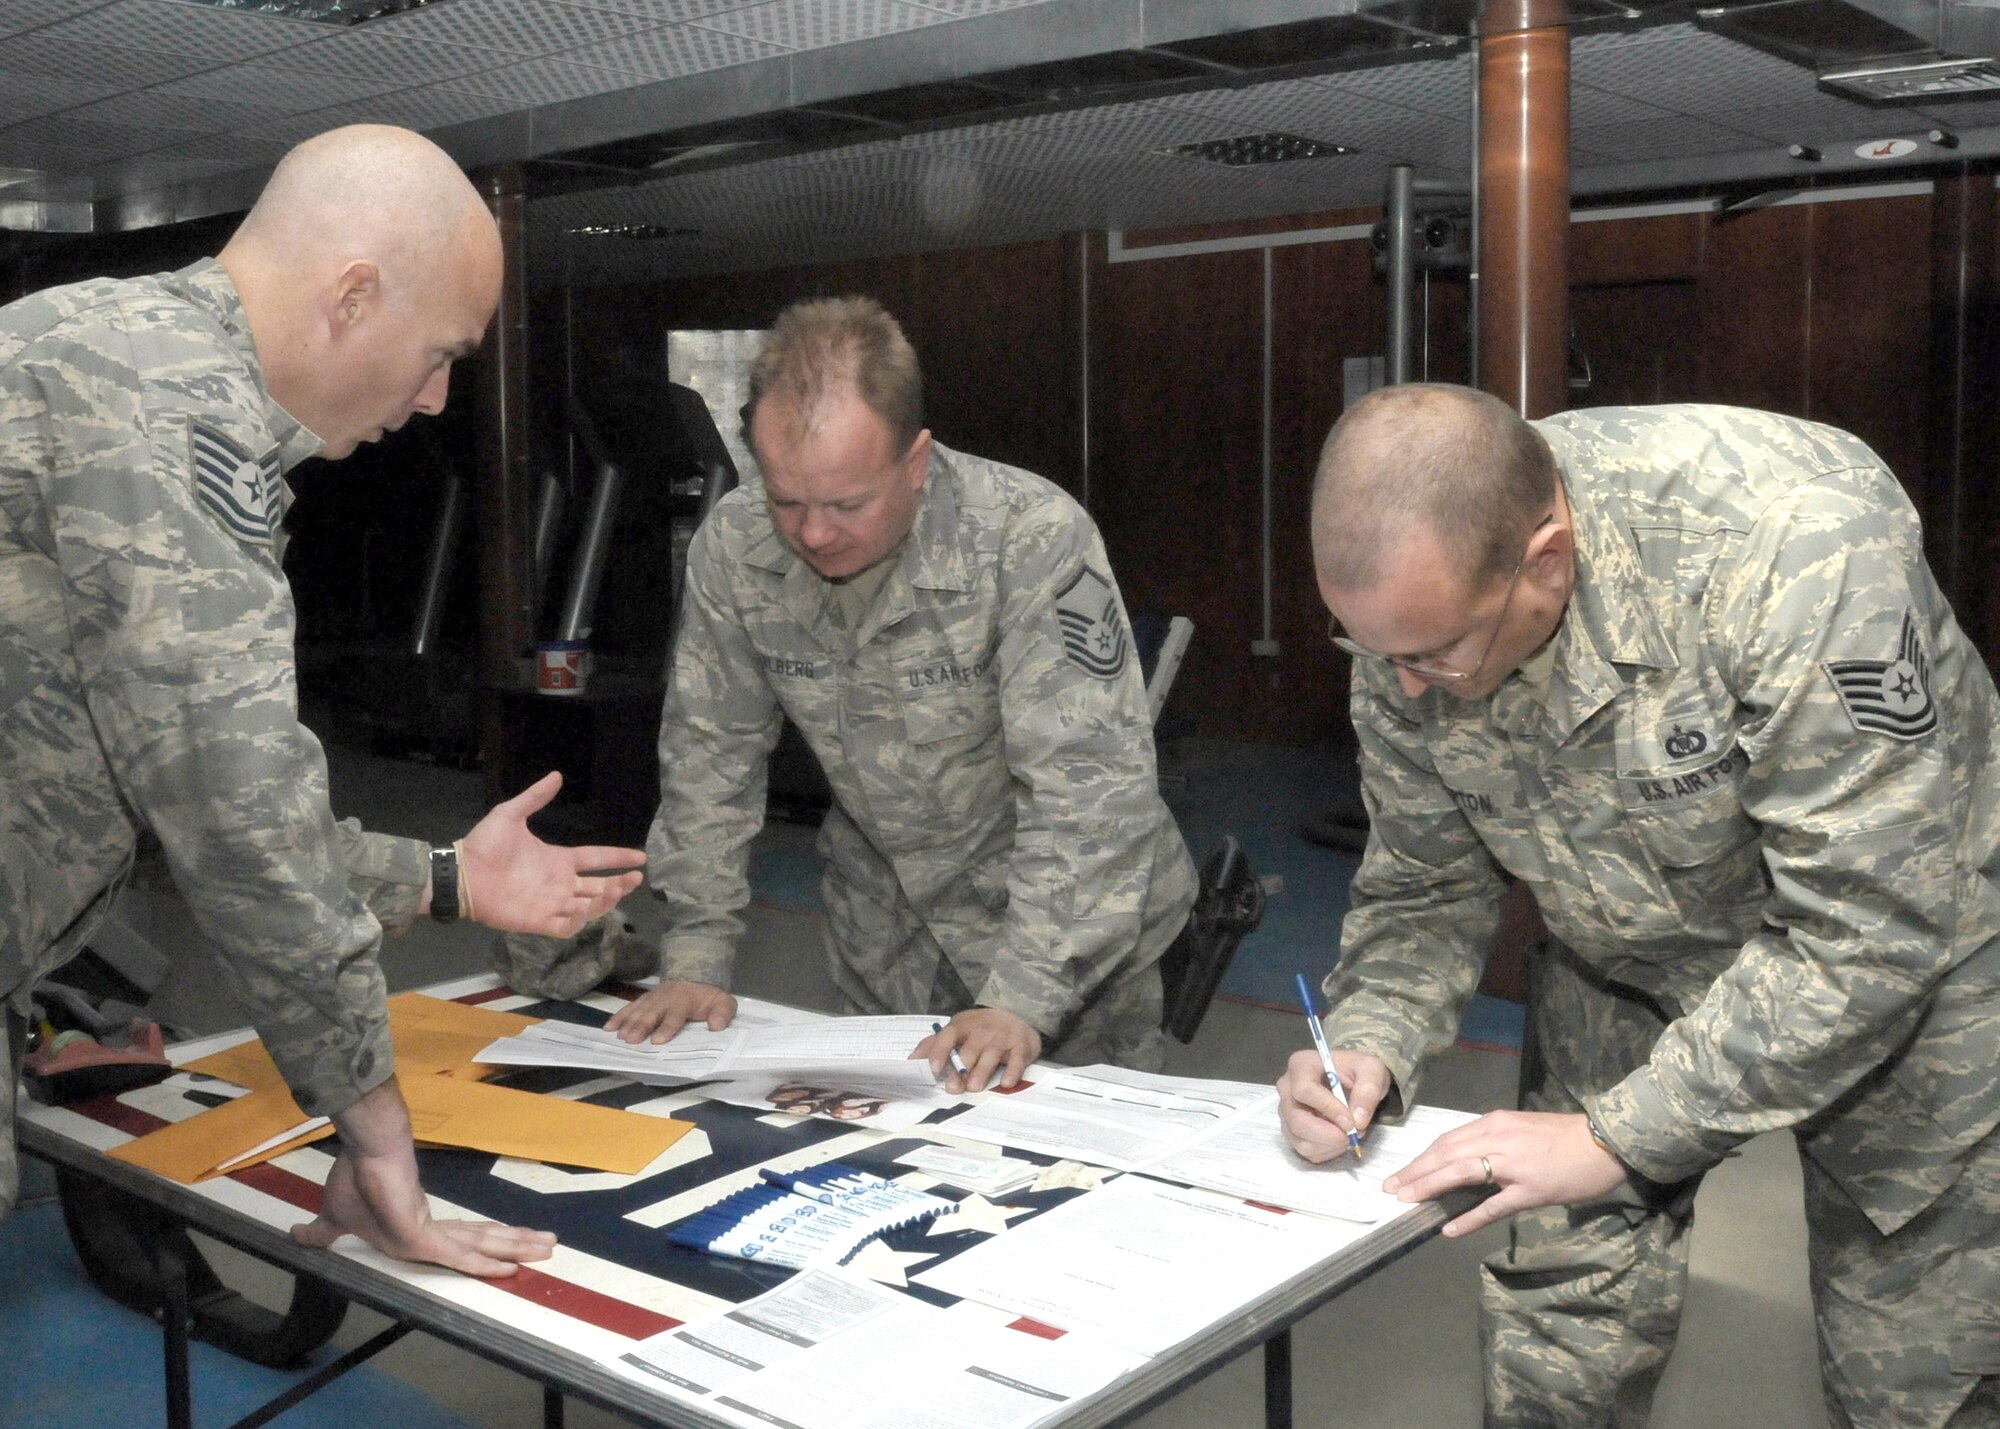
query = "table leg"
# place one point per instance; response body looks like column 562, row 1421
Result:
column 1278, row 1381
column 552, row 1407
column 174, row 1324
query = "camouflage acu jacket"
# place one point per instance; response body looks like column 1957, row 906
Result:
column 984, row 730
column 146, row 679
column 1758, row 789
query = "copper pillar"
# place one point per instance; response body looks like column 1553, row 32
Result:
column 502, row 480
column 1961, row 477
column 1524, row 204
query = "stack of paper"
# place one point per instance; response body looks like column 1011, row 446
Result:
column 861, row 1053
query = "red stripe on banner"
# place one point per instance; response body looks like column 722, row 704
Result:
column 492, row 994
column 281, row 1185
column 578, row 1302
column 1036, row 1328
column 581, row 1303
column 109, row 1111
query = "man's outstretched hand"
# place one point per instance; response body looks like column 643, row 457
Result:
column 518, row 884
column 372, row 1192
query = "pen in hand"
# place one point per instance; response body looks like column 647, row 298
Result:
column 957, row 1062
column 1326, row 1060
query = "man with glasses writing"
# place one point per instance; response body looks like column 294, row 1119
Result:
column 1684, row 673
column 946, row 634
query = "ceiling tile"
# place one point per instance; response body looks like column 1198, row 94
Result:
column 817, row 24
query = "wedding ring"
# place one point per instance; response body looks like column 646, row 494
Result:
column 1486, row 1166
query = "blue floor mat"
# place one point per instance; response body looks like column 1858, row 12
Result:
column 76, row 1357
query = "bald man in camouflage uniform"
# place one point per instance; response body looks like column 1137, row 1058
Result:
column 1730, row 735
column 957, row 656
column 147, row 691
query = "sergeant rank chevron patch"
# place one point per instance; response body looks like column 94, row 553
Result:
column 1891, row 697
column 240, row 490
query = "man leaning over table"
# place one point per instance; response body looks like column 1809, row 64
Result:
column 946, row 634
column 1682, row 671
column 148, row 701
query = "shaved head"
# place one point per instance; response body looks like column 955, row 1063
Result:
column 366, row 190
column 1451, row 462
column 368, row 265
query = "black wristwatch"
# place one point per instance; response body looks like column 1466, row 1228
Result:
column 444, row 884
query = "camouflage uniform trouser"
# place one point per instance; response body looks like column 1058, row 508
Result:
column 1120, row 1025
column 13, row 1041
column 1578, row 1314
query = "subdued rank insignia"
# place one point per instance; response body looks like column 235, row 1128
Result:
column 1891, row 697
column 1093, row 634
column 243, row 491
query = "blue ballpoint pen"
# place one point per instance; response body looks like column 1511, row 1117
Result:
column 957, row 1062
column 1326, row 1059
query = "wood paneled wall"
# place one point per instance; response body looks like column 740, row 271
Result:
column 1821, row 310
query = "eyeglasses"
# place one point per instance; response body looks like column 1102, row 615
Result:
column 1422, row 666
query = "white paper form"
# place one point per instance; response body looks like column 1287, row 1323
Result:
column 713, row 1354
column 1141, row 1263
column 830, row 1352
column 1248, row 1156
column 1001, row 1378
column 927, row 1368
column 1107, row 1116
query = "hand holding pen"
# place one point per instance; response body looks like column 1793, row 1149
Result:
column 1326, row 1060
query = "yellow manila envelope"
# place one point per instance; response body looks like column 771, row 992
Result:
column 447, row 1112
column 431, row 1037
column 196, row 1148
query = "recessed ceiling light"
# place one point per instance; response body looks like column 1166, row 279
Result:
column 1258, row 149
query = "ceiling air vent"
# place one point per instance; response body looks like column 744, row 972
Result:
column 1258, row 149
column 1891, row 82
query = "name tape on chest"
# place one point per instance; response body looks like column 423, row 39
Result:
column 1889, row 696
column 241, row 490
column 1093, row 631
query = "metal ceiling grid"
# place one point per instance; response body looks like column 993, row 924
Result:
column 23, row 96
column 419, row 108
column 1441, row 86
column 666, row 12
column 1816, row 115
column 1313, row 111
column 531, row 83
column 292, row 90
column 820, row 24
column 376, row 54
column 156, row 108
column 19, row 15
column 522, row 28
column 1670, row 136
column 218, row 36
column 965, row 9
column 672, row 51
column 113, row 66
column 1680, row 67
column 1040, row 141
column 56, row 142
column 1590, row 107
column 1428, row 141
column 1961, row 115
